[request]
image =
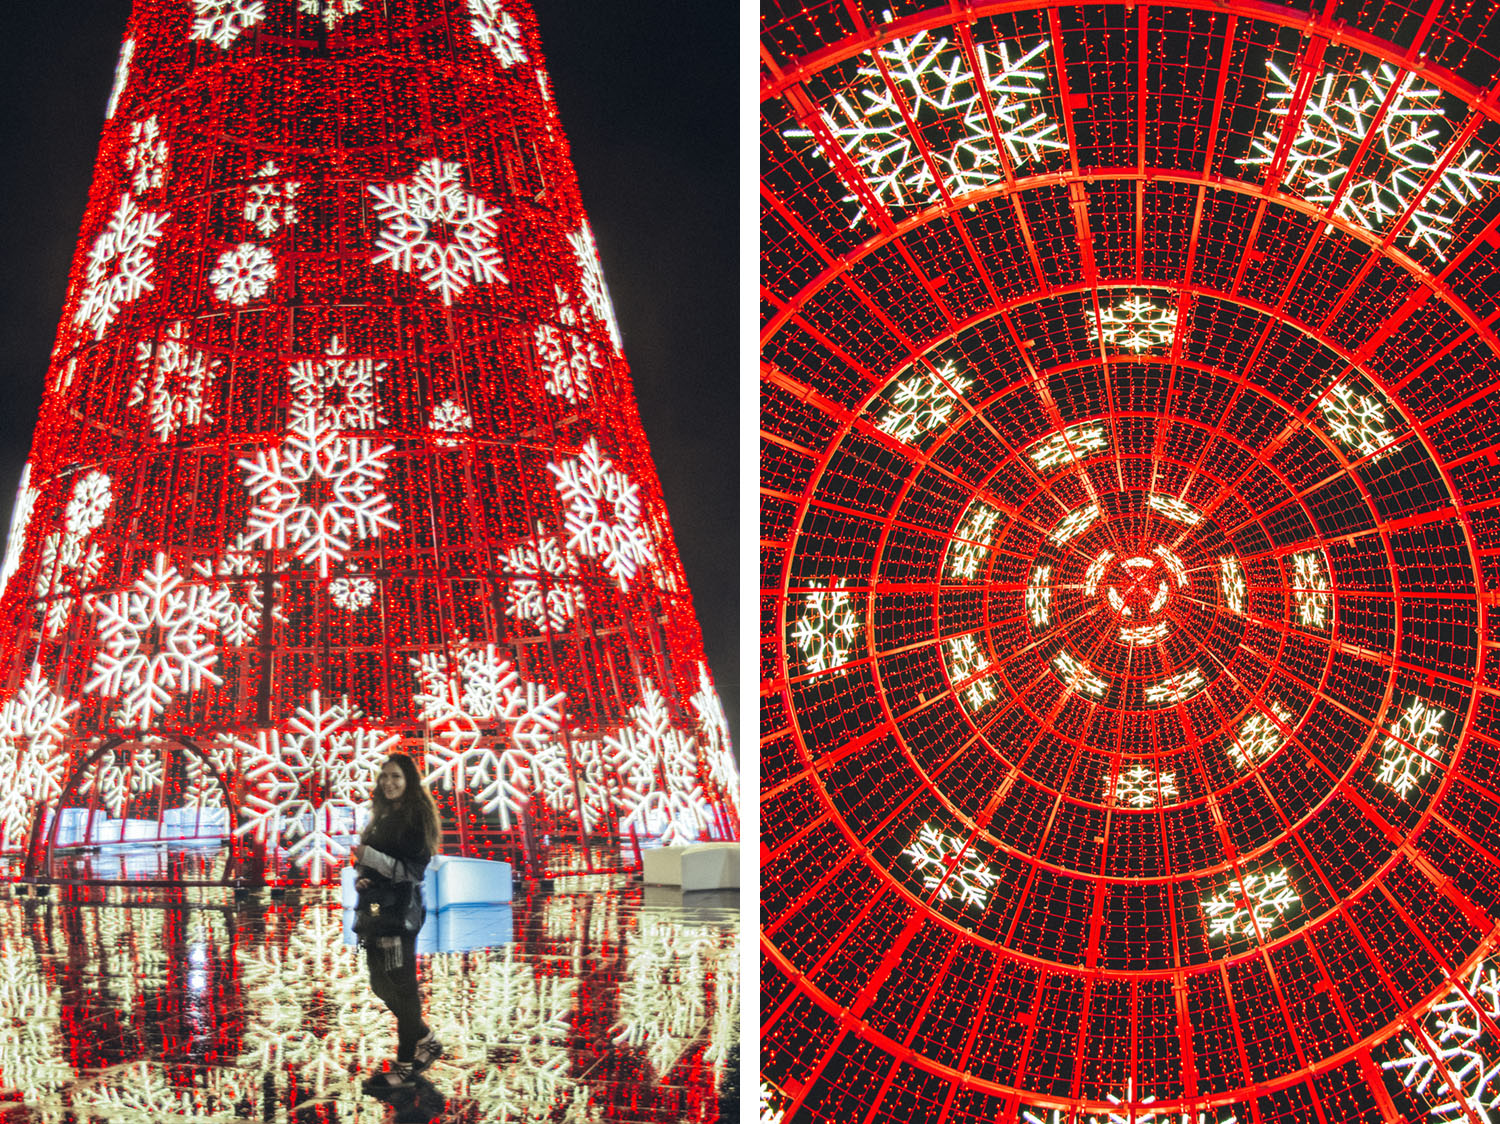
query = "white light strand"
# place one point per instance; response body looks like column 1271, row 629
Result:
column 1358, row 421
column 1135, row 324
column 1415, row 741
column 922, row 402
column 1176, row 688
column 1259, row 736
column 1252, row 906
column 827, row 628
column 1144, row 635
column 1310, row 589
column 1140, row 786
column 1095, row 573
column 1073, row 444
column 932, row 853
column 1232, row 584
column 1173, row 564
column 1075, row 523
column 1039, row 597
column 1076, row 675
column 1452, row 1061
column 1174, row 509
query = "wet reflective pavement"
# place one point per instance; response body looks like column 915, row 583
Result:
column 599, row 1000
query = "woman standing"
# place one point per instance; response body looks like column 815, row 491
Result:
column 395, row 847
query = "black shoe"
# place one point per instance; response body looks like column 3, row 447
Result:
column 392, row 1080
column 428, row 1051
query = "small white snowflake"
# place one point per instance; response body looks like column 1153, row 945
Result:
column 88, row 504
column 937, row 857
column 964, row 657
column 1039, row 597
column 827, row 628
column 1259, row 735
column 971, row 542
column 34, row 724
column 1077, row 521
column 1095, row 573
column 270, row 206
column 352, row 594
column 595, row 291
column 154, row 642
column 243, row 274
column 1076, row 675
column 449, row 422
column 1358, row 421
column 1232, row 584
column 122, row 78
column 146, row 156
column 120, row 265
column 1176, row 688
column 20, row 522
column 1174, row 509
column 1310, row 588
column 715, row 742
column 922, row 402
column 1407, row 755
column 221, row 22
column 497, row 29
column 319, row 492
column 331, row 11
column 124, row 773
column 1140, row 786
column 1136, row 324
column 435, row 229
column 1069, row 446
column 336, row 390
column 1144, row 635
column 172, row 382
column 603, row 519
column 566, row 355
column 661, row 788
column 543, row 587
column 1251, row 906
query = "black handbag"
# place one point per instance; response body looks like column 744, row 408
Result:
column 389, row 909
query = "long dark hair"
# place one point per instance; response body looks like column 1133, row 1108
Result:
column 415, row 803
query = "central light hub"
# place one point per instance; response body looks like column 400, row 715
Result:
column 1138, row 588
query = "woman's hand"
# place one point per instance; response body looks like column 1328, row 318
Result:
column 362, row 884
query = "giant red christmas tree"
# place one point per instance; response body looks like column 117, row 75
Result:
column 338, row 455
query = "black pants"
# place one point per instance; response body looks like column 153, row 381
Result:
column 396, row 987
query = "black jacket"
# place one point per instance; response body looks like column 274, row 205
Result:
column 395, row 849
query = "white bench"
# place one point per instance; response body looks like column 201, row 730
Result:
column 693, row 866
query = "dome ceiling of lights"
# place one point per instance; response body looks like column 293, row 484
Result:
column 1131, row 418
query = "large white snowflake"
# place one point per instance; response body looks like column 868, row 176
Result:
column 1073, row 524
column 449, row 422
column 1415, row 742
column 1451, row 1061
column 971, row 542
column 122, row 78
column 239, row 573
column 336, row 390
column 243, row 274
column 121, row 265
column 922, row 402
column 1358, row 421
column 497, row 29
column 172, row 382
column 221, row 22
column 331, row 11
column 568, row 357
column 1251, row 905
column 121, row 774
column 1413, row 135
column 1174, row 509
column 1176, row 688
column 495, row 733
column 595, row 291
column 146, row 156
column 543, row 587
column 271, row 204
column 826, row 630
column 1076, row 675
column 715, row 743
column 1310, row 588
column 1039, row 597
column 1136, row 324
column 1068, row 446
column 1232, row 584
column 317, row 491
column 661, row 789
column 436, row 230
column 604, row 513
column 1259, row 735
column 154, row 642
column 930, row 78
column 20, row 522
column 307, row 787
column 941, row 861
column 34, row 724
column 1141, row 786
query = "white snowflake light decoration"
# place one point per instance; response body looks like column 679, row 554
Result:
column 20, row 522
column 1176, row 688
column 595, row 291
column 1135, row 324
column 34, row 724
column 69, row 555
column 135, row 769
column 318, row 492
column 1095, row 573
column 1140, row 786
column 543, row 586
column 271, row 205
column 243, row 274
column 1174, row 509
column 1251, row 906
column 238, row 572
column 1069, row 446
column 826, row 630
column 120, row 266
column 922, row 402
column 1075, row 523
column 604, row 512
column 971, row 542
column 938, row 858
column 221, row 22
column 568, row 357
column 352, row 594
column 1358, row 421
column 154, row 642
column 172, row 383
column 1173, row 564
column 307, row 788
column 437, row 231
column 1259, row 735
column 336, row 390
column 1413, row 135
column 1415, row 742
column 715, row 743
column 332, row 11
column 980, row 693
column 1144, row 635
column 1076, row 675
column 964, row 657
column 449, row 422
column 1232, row 584
column 1039, row 597
column 932, row 76
column 122, row 78
column 1310, row 589
column 88, row 504
column 146, row 156
column 660, row 794
column 771, row 1110
column 1451, row 1061
column 497, row 29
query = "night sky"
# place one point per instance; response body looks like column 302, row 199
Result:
column 646, row 93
